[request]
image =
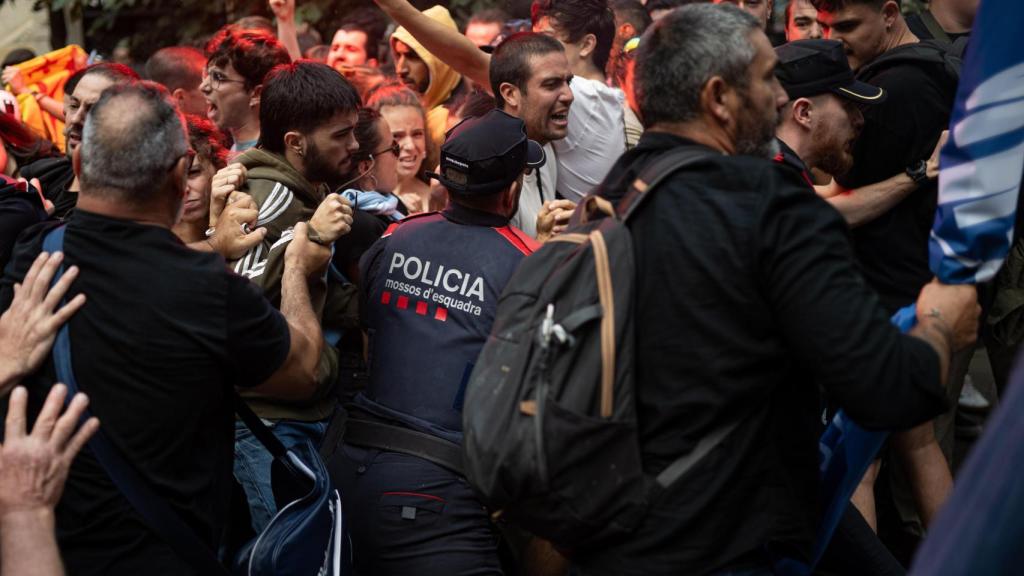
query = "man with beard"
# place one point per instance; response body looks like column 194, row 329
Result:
column 822, row 119
column 921, row 79
column 305, row 144
column 747, row 303
column 530, row 78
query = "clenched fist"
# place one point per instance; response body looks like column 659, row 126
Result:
column 332, row 219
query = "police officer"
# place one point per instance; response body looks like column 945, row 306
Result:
column 431, row 287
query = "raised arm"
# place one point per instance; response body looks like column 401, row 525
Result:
column 284, row 13
column 446, row 44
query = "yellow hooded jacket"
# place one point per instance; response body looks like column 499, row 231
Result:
column 443, row 79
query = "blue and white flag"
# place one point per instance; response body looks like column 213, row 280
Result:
column 983, row 160
column 981, row 168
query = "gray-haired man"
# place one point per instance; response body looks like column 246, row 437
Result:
column 166, row 332
column 748, row 301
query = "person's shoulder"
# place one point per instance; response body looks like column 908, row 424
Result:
column 593, row 93
column 515, row 241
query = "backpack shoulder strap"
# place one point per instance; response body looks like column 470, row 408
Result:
column 153, row 508
column 657, row 171
column 933, row 27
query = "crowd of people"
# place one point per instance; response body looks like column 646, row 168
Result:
column 329, row 230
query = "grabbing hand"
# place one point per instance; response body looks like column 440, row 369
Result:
column 305, row 256
column 955, row 307
column 29, row 326
column 227, row 180
column 233, row 235
column 553, row 218
column 12, row 75
column 332, row 219
column 34, row 465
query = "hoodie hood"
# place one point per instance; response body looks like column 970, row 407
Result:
column 262, row 165
column 443, row 79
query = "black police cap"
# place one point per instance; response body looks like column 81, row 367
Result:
column 812, row 67
column 486, row 154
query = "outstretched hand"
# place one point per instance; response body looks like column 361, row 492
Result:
column 29, row 326
column 34, row 465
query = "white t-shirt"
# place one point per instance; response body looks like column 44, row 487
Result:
column 595, row 140
column 538, row 188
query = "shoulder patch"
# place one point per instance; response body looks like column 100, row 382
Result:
column 519, row 239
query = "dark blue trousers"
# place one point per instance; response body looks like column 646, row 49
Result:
column 409, row 516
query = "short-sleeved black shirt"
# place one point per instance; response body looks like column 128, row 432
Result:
column 893, row 248
column 747, row 303
column 163, row 335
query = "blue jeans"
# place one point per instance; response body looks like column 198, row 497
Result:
column 252, row 463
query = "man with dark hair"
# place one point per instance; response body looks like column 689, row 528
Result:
column 431, row 285
column 308, row 115
column 802, row 21
column 747, row 302
column 427, row 74
column 180, row 69
column 484, row 26
column 237, row 62
column 60, row 186
column 159, row 357
column 530, row 78
column 586, row 28
column 892, row 243
column 352, row 46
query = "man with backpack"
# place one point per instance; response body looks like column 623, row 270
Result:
column 431, row 286
column 899, row 135
column 746, row 302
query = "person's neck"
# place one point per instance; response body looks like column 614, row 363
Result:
column 413, row 188
column 190, row 232
column 700, row 132
column 798, row 142
column 97, row 203
column 900, row 35
column 587, row 69
column 248, row 132
column 950, row 19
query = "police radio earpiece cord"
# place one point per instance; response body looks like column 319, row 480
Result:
column 340, row 189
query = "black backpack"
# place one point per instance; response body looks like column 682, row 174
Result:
column 551, row 437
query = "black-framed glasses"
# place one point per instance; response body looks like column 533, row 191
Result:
column 216, row 78
column 394, row 149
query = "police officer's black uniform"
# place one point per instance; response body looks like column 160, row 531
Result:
column 431, row 287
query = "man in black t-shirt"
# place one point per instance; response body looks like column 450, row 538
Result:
column 898, row 136
column 165, row 334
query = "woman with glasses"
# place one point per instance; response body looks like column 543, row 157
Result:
column 374, row 174
column 211, row 155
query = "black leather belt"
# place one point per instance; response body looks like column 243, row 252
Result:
column 369, row 434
